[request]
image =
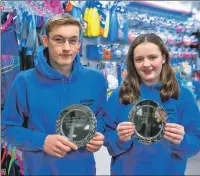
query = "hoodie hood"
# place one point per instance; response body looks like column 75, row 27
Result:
column 43, row 67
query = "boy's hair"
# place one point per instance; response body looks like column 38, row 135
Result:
column 61, row 19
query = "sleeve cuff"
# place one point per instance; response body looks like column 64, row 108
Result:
column 39, row 141
column 181, row 145
column 124, row 145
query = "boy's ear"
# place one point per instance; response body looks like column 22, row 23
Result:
column 79, row 45
column 45, row 40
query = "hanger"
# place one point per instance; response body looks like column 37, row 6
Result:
column 6, row 9
column 6, row 24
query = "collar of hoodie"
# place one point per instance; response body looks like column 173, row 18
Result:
column 42, row 65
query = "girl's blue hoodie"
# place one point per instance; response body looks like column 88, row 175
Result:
column 162, row 158
column 39, row 95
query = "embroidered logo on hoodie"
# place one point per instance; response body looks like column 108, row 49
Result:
column 87, row 102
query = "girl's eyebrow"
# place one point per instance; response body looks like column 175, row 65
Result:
column 138, row 57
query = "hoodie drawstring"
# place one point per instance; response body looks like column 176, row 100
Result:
column 62, row 93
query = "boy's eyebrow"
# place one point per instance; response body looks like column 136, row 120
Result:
column 57, row 35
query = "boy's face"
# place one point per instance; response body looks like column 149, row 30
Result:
column 63, row 43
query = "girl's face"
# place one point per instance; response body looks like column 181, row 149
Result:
column 148, row 61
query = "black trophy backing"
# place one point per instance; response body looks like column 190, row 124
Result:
column 149, row 119
column 77, row 123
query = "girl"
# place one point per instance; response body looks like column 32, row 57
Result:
column 150, row 76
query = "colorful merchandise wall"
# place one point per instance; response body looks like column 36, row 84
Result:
column 126, row 22
column 109, row 27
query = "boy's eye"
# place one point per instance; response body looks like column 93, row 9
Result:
column 59, row 40
column 73, row 41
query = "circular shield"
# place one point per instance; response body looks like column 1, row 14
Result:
column 149, row 119
column 77, row 123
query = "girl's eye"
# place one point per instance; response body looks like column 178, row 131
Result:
column 152, row 57
column 139, row 60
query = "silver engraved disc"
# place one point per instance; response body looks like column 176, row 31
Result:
column 149, row 118
column 77, row 123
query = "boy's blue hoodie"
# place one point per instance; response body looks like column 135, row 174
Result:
column 39, row 94
column 162, row 158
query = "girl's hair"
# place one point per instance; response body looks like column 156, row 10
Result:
column 130, row 89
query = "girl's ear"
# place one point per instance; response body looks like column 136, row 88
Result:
column 164, row 59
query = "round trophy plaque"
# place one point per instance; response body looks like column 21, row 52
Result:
column 149, row 119
column 77, row 123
